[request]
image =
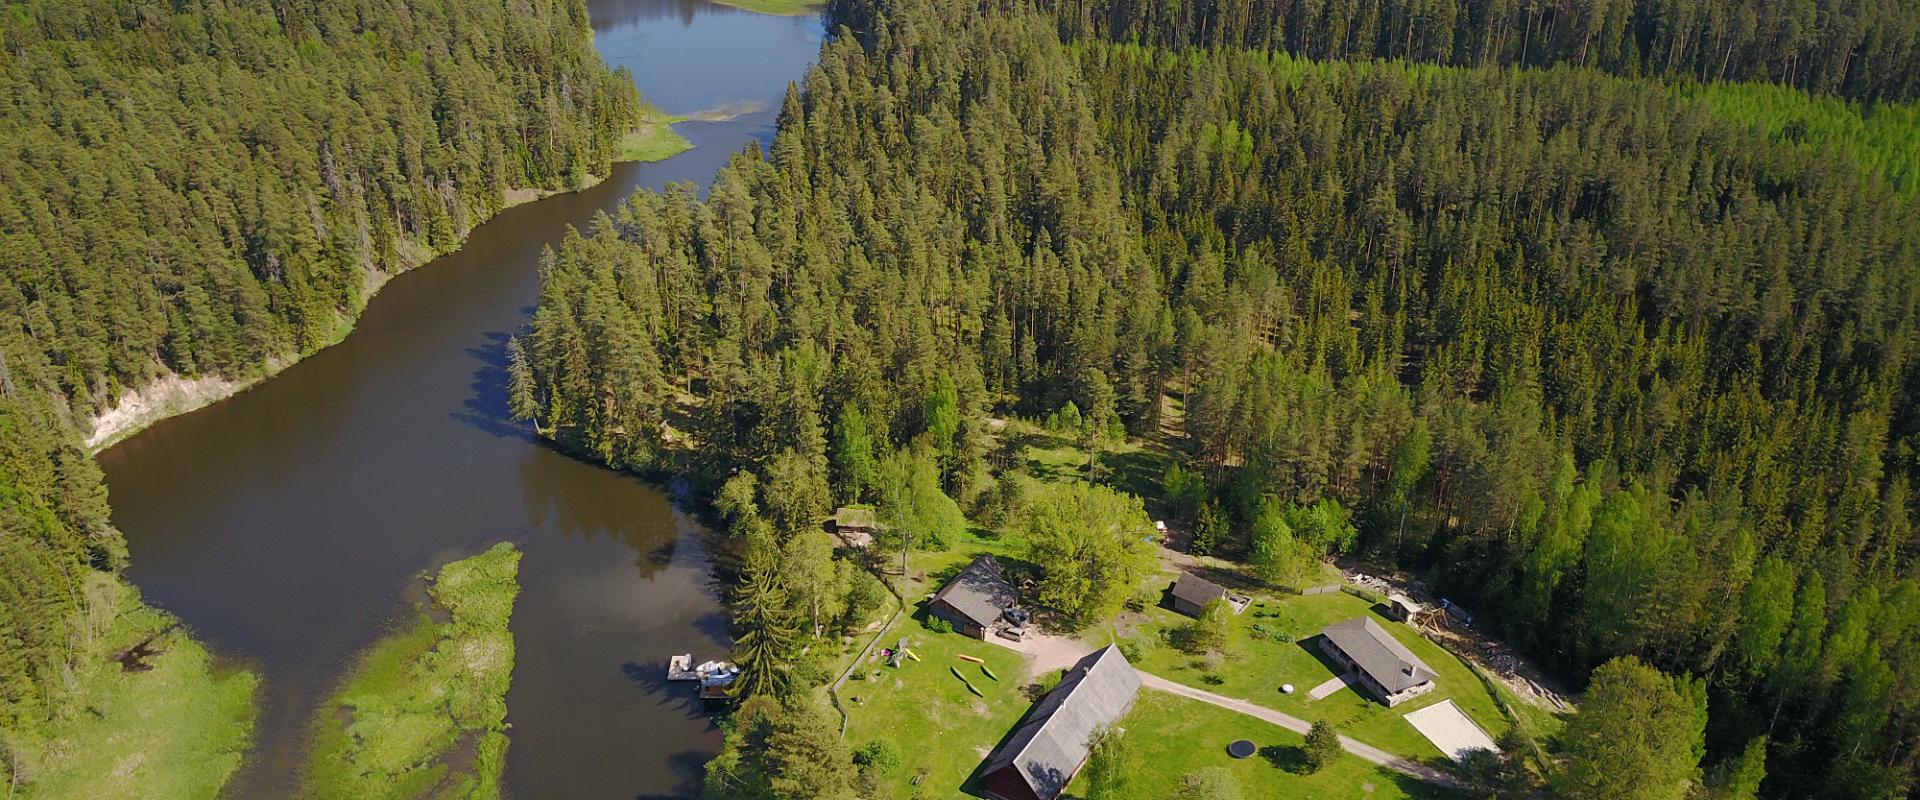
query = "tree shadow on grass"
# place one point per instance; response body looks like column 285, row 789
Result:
column 1137, row 472
column 1291, row 758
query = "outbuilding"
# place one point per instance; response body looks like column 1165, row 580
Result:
column 1404, row 608
column 1191, row 593
column 855, row 526
column 974, row 600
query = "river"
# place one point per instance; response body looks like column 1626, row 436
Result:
column 285, row 524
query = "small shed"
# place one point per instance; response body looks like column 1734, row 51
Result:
column 855, row 526
column 1403, row 607
column 974, row 600
column 1191, row 593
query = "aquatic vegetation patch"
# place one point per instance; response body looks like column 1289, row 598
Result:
column 654, row 139
column 149, row 714
column 423, row 714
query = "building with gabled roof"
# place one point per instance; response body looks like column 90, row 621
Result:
column 1191, row 593
column 974, row 600
column 1380, row 662
column 1054, row 742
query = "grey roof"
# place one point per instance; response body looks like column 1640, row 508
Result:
column 1057, row 737
column 979, row 592
column 1378, row 654
column 1197, row 590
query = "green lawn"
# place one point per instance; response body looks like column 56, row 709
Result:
column 785, row 8
column 177, row 730
column 1257, row 669
column 424, row 712
column 1171, row 736
column 927, row 713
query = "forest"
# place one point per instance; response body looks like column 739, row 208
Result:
column 1620, row 362
column 1859, row 50
column 198, row 188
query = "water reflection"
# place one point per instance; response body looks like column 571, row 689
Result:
column 286, row 525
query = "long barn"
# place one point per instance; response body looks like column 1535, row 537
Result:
column 1042, row 757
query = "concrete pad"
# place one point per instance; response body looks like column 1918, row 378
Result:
column 1332, row 685
column 1450, row 729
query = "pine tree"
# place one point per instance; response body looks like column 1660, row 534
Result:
column 767, row 641
column 522, row 401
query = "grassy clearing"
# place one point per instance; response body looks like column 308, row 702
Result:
column 1258, row 667
column 654, row 139
column 424, row 712
column 178, row 730
column 783, row 8
column 1172, row 736
column 939, row 727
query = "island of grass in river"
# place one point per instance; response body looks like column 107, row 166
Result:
column 654, row 139
column 784, row 8
column 423, row 713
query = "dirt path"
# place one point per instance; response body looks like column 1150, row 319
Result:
column 1047, row 653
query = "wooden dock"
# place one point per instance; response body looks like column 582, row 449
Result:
column 680, row 668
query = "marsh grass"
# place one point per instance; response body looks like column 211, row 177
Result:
column 178, row 729
column 423, row 713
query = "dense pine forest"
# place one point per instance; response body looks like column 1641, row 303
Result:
column 1608, row 358
column 196, row 188
column 1862, row 50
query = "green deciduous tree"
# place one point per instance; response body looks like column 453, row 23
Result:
column 1112, row 768
column 855, row 467
column 1213, row 631
column 1212, row 783
column 1091, row 544
column 1637, row 736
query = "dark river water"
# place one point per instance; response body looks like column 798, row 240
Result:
column 285, row 524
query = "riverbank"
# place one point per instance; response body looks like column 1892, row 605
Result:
column 163, row 721
column 424, row 711
column 170, row 395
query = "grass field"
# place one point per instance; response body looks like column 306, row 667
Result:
column 926, row 712
column 653, row 140
column 1257, row 668
column 424, row 712
column 784, row 8
column 1171, row 736
column 177, row 730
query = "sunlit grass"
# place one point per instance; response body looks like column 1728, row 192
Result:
column 1257, row 669
column 784, row 8
column 424, row 711
column 654, row 139
column 926, row 712
column 1171, row 736
column 178, row 730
